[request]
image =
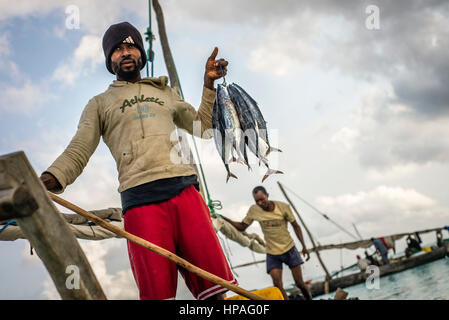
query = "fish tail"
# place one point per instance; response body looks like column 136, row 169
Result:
column 264, row 160
column 245, row 153
column 242, row 161
column 270, row 172
column 272, row 149
column 230, row 174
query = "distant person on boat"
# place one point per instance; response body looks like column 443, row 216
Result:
column 273, row 217
column 382, row 249
column 362, row 263
column 136, row 117
column 440, row 241
column 371, row 260
column 388, row 243
column 413, row 244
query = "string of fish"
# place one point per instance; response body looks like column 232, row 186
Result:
column 238, row 124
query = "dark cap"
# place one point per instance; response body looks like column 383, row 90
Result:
column 122, row 32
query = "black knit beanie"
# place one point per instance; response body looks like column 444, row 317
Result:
column 122, row 32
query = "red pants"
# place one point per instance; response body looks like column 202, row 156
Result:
column 183, row 226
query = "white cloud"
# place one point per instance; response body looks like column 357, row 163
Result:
column 90, row 21
column 345, row 137
column 394, row 172
column 390, row 139
column 26, row 8
column 383, row 210
column 26, row 99
column 98, row 178
column 5, row 62
column 286, row 47
column 30, row 260
column 119, row 285
column 87, row 56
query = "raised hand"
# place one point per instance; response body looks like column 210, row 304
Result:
column 215, row 69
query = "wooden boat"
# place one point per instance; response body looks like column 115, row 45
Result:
column 318, row 288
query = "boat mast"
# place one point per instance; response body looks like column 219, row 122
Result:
column 175, row 84
column 328, row 276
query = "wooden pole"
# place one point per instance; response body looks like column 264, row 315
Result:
column 163, row 252
column 168, row 57
column 328, row 276
column 175, row 84
column 23, row 198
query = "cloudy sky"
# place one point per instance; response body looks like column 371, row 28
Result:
column 354, row 93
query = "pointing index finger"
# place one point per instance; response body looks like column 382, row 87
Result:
column 214, row 54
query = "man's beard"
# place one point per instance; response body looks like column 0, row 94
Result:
column 128, row 75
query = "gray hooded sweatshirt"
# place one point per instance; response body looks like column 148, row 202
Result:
column 137, row 122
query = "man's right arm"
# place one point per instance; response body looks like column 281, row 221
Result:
column 240, row 226
column 69, row 165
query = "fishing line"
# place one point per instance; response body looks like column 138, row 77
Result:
column 226, row 251
column 222, row 73
column 322, row 214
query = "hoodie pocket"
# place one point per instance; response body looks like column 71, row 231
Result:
column 126, row 157
column 152, row 152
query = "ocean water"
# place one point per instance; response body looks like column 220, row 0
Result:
column 426, row 282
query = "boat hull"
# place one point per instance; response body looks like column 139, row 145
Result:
column 318, row 288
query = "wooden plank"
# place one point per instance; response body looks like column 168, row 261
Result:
column 45, row 228
column 16, row 202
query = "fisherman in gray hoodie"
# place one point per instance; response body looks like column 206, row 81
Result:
column 160, row 200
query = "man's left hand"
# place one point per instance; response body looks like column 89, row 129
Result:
column 305, row 253
column 215, row 69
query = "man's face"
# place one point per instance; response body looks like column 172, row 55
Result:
column 126, row 60
column 261, row 200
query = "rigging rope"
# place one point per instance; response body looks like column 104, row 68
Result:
column 150, row 37
column 212, row 204
column 322, row 214
column 9, row 223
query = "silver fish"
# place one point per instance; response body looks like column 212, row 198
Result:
column 219, row 137
column 230, row 122
column 247, row 121
column 254, row 125
column 264, row 149
column 261, row 124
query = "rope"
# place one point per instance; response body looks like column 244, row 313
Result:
column 227, row 252
column 9, row 223
column 222, row 73
column 212, row 204
column 150, row 37
column 322, row 214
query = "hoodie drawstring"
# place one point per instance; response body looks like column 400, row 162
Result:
column 140, row 110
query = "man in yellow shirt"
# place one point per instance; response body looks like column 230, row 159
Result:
column 280, row 247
